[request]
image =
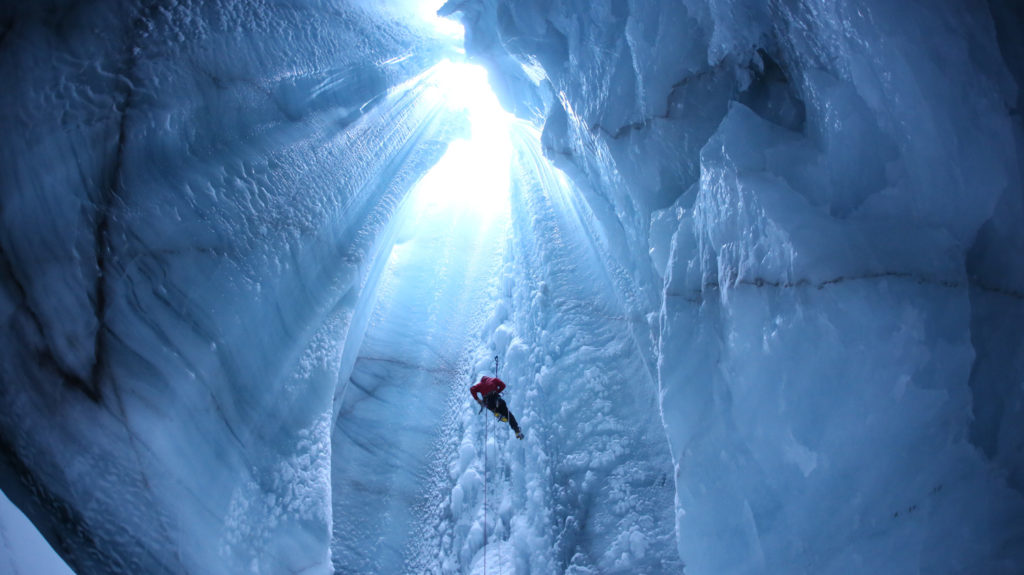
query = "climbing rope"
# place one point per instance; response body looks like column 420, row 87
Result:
column 486, row 419
column 485, row 494
column 496, row 364
column 499, row 517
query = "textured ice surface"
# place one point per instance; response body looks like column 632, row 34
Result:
column 821, row 188
column 764, row 317
column 194, row 198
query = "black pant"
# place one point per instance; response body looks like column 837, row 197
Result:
column 496, row 404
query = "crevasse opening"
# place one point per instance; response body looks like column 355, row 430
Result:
column 473, row 175
column 407, row 392
column 763, row 318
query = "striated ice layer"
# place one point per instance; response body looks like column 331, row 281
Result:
column 820, row 376
column 194, row 198
column 825, row 196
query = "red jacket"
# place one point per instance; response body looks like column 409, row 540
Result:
column 486, row 386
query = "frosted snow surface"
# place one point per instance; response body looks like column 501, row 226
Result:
column 752, row 272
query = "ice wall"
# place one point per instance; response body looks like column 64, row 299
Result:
column 592, row 490
column 770, row 323
column 828, row 199
column 195, row 196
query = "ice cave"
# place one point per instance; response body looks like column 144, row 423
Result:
column 752, row 271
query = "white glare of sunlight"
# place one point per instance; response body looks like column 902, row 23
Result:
column 474, row 173
column 427, row 10
column 421, row 14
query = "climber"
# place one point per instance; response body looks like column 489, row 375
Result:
column 490, row 388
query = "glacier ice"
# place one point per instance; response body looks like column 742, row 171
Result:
column 180, row 282
column 816, row 185
column 752, row 272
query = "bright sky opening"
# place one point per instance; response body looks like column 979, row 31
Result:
column 474, row 173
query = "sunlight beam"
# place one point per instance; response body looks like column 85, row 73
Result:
column 474, row 173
